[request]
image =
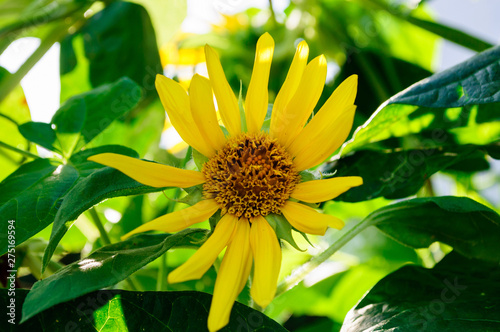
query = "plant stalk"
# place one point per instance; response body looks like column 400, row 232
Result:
column 300, row 273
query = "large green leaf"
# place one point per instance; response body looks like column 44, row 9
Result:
column 120, row 41
column 399, row 174
column 116, row 310
column 83, row 117
column 42, row 191
column 471, row 228
column 458, row 294
column 104, row 267
column 13, row 110
column 464, row 96
column 95, row 184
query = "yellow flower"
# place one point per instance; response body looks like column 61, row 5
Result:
column 250, row 173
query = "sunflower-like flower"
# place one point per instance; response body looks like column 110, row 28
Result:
column 250, row 173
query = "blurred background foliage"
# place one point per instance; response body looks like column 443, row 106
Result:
column 389, row 44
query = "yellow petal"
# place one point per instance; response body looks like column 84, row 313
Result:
column 320, row 145
column 257, row 96
column 203, row 111
column 267, row 257
column 339, row 102
column 180, row 219
column 300, row 107
column 226, row 100
column 232, row 276
column 323, row 190
column 308, row 220
column 176, row 102
column 196, row 266
column 299, row 62
column 150, row 173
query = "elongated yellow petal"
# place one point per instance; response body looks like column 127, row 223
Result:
column 232, row 277
column 300, row 107
column 299, row 62
column 257, row 96
column 226, row 100
column 320, row 145
column 196, row 266
column 150, row 173
column 323, row 190
column 322, row 123
column 176, row 102
column 308, row 220
column 267, row 261
column 180, row 219
column 203, row 111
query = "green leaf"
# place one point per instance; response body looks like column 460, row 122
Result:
column 68, row 122
column 105, row 267
column 283, row 229
column 120, row 41
column 31, row 197
column 471, row 228
column 457, row 97
column 95, row 184
column 117, row 310
column 40, row 133
column 44, row 191
column 399, row 174
column 83, row 117
column 106, row 104
column 458, row 294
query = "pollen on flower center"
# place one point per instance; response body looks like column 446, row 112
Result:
column 251, row 175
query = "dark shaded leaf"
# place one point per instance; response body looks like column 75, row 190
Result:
column 458, row 294
column 116, row 310
column 402, row 173
column 105, row 267
column 120, row 41
column 471, row 228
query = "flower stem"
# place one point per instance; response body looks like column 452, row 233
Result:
column 22, row 152
column 300, row 273
column 97, row 222
column 161, row 284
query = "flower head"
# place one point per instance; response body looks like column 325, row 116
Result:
column 250, row 173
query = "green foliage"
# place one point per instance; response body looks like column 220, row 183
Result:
column 458, row 294
column 117, row 310
column 470, row 228
column 415, row 133
column 104, row 267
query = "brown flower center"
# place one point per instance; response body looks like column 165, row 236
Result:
column 251, row 175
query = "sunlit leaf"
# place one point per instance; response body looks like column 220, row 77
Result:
column 104, row 267
column 458, row 97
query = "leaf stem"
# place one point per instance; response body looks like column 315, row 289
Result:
column 161, row 283
column 22, row 152
column 454, row 35
column 13, row 80
column 97, row 222
column 300, row 273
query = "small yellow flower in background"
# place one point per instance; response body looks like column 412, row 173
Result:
column 251, row 173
